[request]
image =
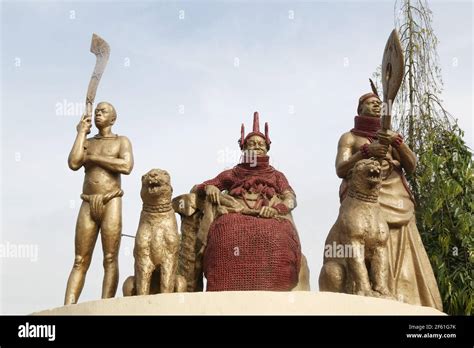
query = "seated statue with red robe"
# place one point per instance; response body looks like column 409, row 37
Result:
column 247, row 236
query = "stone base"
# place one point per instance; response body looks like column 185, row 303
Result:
column 243, row 302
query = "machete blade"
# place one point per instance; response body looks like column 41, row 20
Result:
column 101, row 50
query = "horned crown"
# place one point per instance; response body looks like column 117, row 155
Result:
column 255, row 131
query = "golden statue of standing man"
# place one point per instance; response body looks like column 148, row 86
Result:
column 104, row 157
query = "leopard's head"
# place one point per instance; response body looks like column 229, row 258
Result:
column 156, row 187
column 366, row 177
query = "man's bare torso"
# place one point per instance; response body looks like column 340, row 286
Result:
column 98, row 180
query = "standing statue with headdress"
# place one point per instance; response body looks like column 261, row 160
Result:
column 410, row 277
column 246, row 236
column 377, row 210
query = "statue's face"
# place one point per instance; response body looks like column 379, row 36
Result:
column 104, row 115
column 257, row 144
column 371, row 107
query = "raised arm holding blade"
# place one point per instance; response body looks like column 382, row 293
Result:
column 104, row 157
column 392, row 77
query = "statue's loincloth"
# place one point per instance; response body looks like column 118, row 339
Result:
column 98, row 202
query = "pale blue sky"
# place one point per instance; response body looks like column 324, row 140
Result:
column 290, row 70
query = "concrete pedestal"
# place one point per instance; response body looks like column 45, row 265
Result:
column 242, row 303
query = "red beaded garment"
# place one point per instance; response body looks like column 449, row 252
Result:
column 246, row 252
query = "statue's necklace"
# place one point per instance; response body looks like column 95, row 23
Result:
column 363, row 196
column 100, row 137
column 158, row 208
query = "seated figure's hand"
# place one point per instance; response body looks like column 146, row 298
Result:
column 268, row 212
column 213, row 193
